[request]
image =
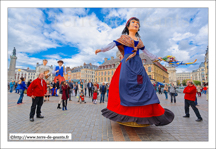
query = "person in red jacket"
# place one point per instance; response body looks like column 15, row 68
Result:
column 190, row 97
column 36, row 91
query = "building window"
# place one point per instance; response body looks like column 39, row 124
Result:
column 108, row 79
column 96, row 74
column 108, row 73
column 102, row 73
column 99, row 74
column 105, row 79
column 144, row 61
column 112, row 72
column 105, row 73
column 149, row 69
column 101, row 79
column 98, row 79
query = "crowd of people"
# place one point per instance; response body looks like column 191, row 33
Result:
column 68, row 89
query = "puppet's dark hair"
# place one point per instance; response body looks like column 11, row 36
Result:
column 126, row 31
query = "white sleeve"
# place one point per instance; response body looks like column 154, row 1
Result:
column 152, row 56
column 108, row 47
column 54, row 72
column 38, row 71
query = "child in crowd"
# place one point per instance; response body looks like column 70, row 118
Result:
column 95, row 97
column 81, row 97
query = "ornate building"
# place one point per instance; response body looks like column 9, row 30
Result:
column 85, row 72
column 206, row 65
column 199, row 74
column 183, row 76
column 154, row 70
column 25, row 73
column 172, row 75
column 11, row 71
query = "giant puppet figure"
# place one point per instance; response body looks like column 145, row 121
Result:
column 132, row 100
column 44, row 69
column 59, row 72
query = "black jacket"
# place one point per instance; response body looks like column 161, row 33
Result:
column 104, row 89
column 88, row 85
column 57, row 84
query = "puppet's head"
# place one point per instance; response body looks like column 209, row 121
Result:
column 45, row 62
column 132, row 25
column 60, row 62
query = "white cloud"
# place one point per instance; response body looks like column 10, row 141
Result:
column 160, row 29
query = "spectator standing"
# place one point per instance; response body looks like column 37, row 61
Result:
column 85, row 86
column 71, row 89
column 12, row 83
column 65, row 94
column 76, row 89
column 199, row 90
column 166, row 91
column 36, row 91
column 48, row 92
column 57, row 87
column 172, row 92
column 90, row 86
column 60, row 96
column 21, row 90
column 18, row 86
column 103, row 92
column 190, row 97
column 29, row 82
column 204, row 89
column 159, row 89
column 107, row 87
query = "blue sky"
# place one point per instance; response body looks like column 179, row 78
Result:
column 73, row 34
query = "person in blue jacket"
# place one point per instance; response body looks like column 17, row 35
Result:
column 21, row 90
column 12, row 86
column 18, row 86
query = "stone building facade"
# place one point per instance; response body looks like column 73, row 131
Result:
column 199, row 74
column 183, row 76
column 154, row 70
column 172, row 75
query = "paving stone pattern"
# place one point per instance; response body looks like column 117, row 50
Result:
column 85, row 122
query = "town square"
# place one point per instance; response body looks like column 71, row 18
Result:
column 101, row 75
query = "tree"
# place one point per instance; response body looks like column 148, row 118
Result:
column 178, row 83
column 185, row 81
column 196, row 82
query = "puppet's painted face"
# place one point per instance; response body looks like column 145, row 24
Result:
column 134, row 26
column 60, row 63
column 44, row 62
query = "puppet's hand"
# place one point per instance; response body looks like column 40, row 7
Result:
column 135, row 49
column 97, row 51
column 57, row 71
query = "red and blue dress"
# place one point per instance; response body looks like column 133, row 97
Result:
column 132, row 97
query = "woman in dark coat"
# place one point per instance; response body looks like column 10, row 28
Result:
column 65, row 95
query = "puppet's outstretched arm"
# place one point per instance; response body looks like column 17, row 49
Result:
column 108, row 47
column 152, row 56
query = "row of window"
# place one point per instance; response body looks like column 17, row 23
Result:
column 21, row 73
column 103, row 79
column 107, row 66
column 103, row 73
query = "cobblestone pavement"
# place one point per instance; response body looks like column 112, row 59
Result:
column 86, row 123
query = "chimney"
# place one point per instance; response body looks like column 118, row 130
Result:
column 112, row 57
column 105, row 59
column 28, row 68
